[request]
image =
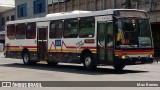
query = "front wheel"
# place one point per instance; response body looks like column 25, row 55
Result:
column 88, row 62
column 119, row 67
column 52, row 63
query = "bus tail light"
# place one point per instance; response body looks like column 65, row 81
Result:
column 89, row 41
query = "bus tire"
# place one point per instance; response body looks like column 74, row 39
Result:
column 52, row 63
column 88, row 62
column 26, row 59
column 119, row 67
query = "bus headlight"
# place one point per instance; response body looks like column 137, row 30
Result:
column 150, row 56
column 123, row 57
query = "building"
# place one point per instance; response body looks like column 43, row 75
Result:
column 94, row 5
column 7, row 13
column 39, row 8
column 30, row 8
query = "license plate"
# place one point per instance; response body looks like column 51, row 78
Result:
column 138, row 62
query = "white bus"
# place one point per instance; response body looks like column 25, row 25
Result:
column 115, row 37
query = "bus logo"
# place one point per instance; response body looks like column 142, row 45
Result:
column 6, row 84
column 57, row 42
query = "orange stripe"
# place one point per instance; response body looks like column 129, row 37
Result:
column 133, row 53
column 52, row 50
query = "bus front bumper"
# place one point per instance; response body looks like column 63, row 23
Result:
column 134, row 61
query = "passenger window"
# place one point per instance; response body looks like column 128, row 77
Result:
column 87, row 27
column 11, row 31
column 31, row 31
column 71, row 28
column 110, row 34
column 56, row 29
column 21, row 31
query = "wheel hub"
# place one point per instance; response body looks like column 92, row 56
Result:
column 26, row 58
column 88, row 61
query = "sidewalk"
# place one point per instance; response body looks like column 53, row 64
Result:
column 2, row 54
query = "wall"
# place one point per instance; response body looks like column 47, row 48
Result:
column 30, row 9
column 5, row 15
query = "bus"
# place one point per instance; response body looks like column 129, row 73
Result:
column 116, row 37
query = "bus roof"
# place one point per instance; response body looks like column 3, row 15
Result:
column 71, row 14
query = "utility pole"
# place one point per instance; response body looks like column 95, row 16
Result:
column 52, row 6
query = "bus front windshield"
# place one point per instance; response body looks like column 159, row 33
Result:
column 133, row 33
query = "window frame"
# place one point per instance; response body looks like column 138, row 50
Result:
column 7, row 18
column 33, row 28
column 3, row 21
column 22, row 10
column 36, row 6
column 20, row 31
column 81, row 20
column 55, row 31
column 65, row 28
column 14, row 36
column 12, row 17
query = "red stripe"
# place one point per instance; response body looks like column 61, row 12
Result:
column 109, row 48
column 88, row 47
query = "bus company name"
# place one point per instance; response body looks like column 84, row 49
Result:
column 21, row 84
column 79, row 44
column 26, row 84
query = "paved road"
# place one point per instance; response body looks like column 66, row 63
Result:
column 14, row 70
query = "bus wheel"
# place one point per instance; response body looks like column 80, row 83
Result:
column 88, row 62
column 118, row 67
column 26, row 59
column 52, row 63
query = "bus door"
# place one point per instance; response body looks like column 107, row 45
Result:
column 105, row 41
column 42, row 34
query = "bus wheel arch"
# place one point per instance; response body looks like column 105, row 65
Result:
column 25, row 50
column 87, row 59
column 26, row 57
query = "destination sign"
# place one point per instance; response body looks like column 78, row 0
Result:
column 131, row 13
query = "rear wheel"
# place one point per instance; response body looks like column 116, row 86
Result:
column 88, row 62
column 26, row 59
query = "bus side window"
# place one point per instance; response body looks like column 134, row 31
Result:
column 21, row 31
column 11, row 31
column 87, row 27
column 31, row 31
column 56, row 29
column 110, row 34
column 71, row 28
